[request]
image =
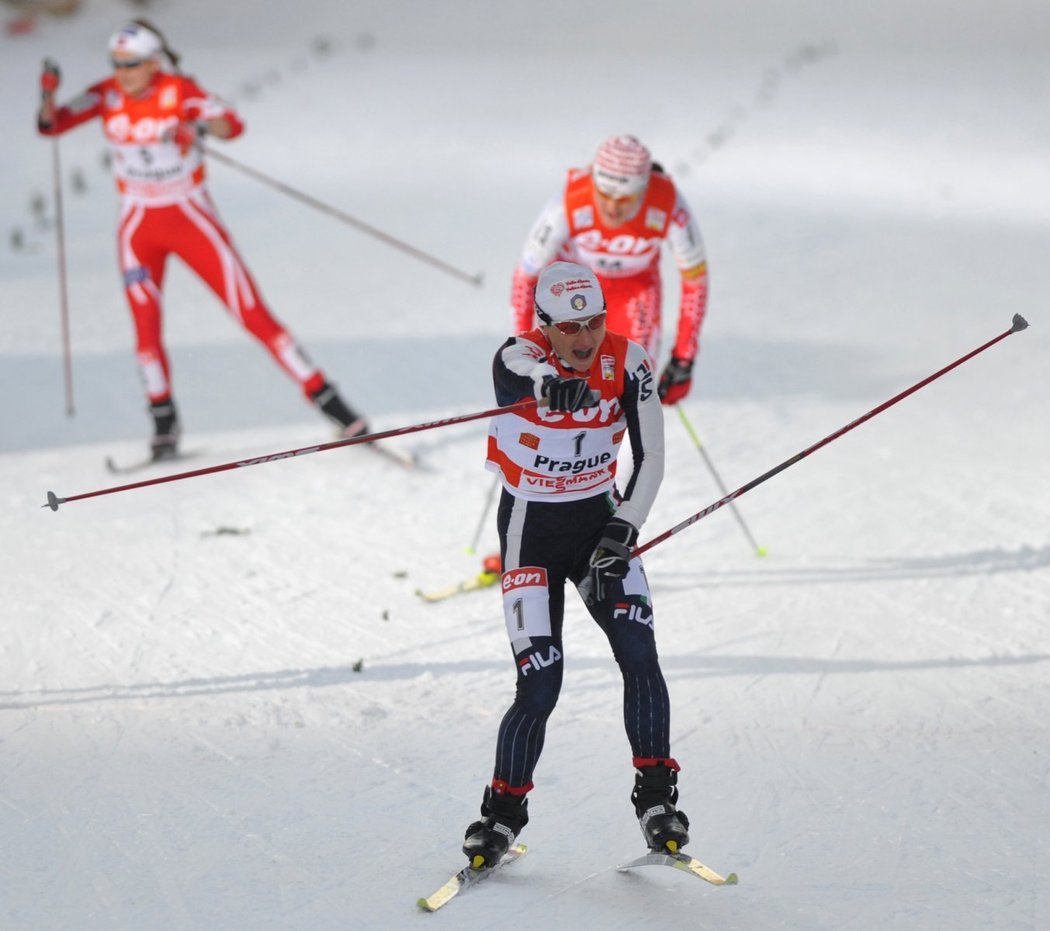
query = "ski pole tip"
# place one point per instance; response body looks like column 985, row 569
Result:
column 478, row 279
column 1019, row 324
column 53, row 501
column 761, row 551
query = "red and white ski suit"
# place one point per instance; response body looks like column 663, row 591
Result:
column 165, row 210
column 626, row 260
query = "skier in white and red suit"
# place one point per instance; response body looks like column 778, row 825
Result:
column 614, row 216
column 562, row 519
column 153, row 121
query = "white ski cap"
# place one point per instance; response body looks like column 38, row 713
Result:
column 567, row 291
column 136, row 40
column 622, row 166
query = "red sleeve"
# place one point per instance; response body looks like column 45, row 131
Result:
column 692, row 309
column 198, row 104
column 79, row 110
column 521, row 300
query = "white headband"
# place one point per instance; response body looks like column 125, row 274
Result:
column 136, row 40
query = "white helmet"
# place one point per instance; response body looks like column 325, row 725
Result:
column 567, row 291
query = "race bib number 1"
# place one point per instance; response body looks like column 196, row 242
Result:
column 526, row 608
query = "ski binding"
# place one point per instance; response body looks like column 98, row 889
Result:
column 467, row 877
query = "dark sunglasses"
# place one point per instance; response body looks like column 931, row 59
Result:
column 572, row 327
column 133, row 63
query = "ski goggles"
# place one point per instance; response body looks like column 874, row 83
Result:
column 131, row 63
column 618, row 198
column 572, row 327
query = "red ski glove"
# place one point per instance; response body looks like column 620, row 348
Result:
column 186, row 135
column 676, row 381
column 50, row 78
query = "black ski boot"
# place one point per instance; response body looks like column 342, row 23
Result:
column 336, row 409
column 503, row 817
column 166, row 430
column 655, row 794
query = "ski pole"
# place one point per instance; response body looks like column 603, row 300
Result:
column 1019, row 323
column 484, row 514
column 345, row 217
column 759, row 550
column 53, row 501
column 63, row 294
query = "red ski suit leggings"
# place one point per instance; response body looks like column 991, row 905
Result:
column 633, row 308
column 191, row 229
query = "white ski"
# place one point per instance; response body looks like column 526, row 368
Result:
column 465, row 878
column 682, row 861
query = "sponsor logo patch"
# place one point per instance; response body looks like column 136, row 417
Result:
column 524, row 577
column 608, row 368
column 536, row 661
column 630, row 612
column 583, row 217
column 530, row 440
column 655, row 218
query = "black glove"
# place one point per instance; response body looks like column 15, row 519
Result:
column 610, row 558
column 567, row 394
column 675, row 381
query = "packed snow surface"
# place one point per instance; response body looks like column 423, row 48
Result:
column 223, row 705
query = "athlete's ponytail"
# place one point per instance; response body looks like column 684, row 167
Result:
column 171, row 54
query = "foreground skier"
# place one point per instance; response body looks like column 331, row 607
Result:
column 561, row 518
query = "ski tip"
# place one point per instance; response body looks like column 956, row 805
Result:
column 1019, row 324
column 425, row 905
column 732, row 879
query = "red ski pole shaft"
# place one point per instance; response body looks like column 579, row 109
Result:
column 53, row 501
column 345, row 217
column 1019, row 323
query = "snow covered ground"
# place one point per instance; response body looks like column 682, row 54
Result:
column 222, row 705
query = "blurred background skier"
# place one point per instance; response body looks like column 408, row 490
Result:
column 613, row 217
column 154, row 121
